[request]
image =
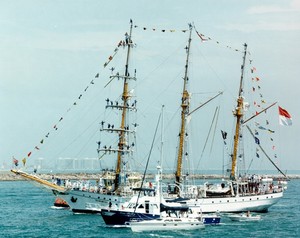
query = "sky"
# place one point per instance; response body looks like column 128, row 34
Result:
column 51, row 50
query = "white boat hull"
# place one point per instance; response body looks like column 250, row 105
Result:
column 244, row 217
column 253, row 203
column 166, row 225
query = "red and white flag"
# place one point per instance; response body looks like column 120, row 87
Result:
column 285, row 118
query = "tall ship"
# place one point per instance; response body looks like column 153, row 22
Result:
column 238, row 192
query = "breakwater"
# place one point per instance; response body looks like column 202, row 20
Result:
column 9, row 176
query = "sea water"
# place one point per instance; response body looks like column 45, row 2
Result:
column 25, row 211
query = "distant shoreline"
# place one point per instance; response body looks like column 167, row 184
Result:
column 9, row 176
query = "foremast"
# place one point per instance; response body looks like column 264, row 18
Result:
column 123, row 147
column 125, row 98
column 238, row 113
column 185, row 106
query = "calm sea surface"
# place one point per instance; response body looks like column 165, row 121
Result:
column 26, row 212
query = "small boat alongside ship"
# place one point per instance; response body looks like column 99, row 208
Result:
column 166, row 224
column 244, row 217
column 59, row 203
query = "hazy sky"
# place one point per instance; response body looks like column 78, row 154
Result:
column 51, row 50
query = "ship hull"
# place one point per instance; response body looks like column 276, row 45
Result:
column 253, row 203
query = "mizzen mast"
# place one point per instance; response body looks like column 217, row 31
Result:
column 238, row 113
column 185, row 106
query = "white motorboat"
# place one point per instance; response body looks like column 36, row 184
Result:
column 245, row 217
column 166, row 224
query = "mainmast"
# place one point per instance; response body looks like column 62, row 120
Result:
column 185, row 105
column 238, row 113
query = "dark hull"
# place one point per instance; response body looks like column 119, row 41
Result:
column 61, row 205
column 120, row 218
column 85, row 211
column 211, row 220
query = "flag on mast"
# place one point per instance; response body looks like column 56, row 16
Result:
column 285, row 118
